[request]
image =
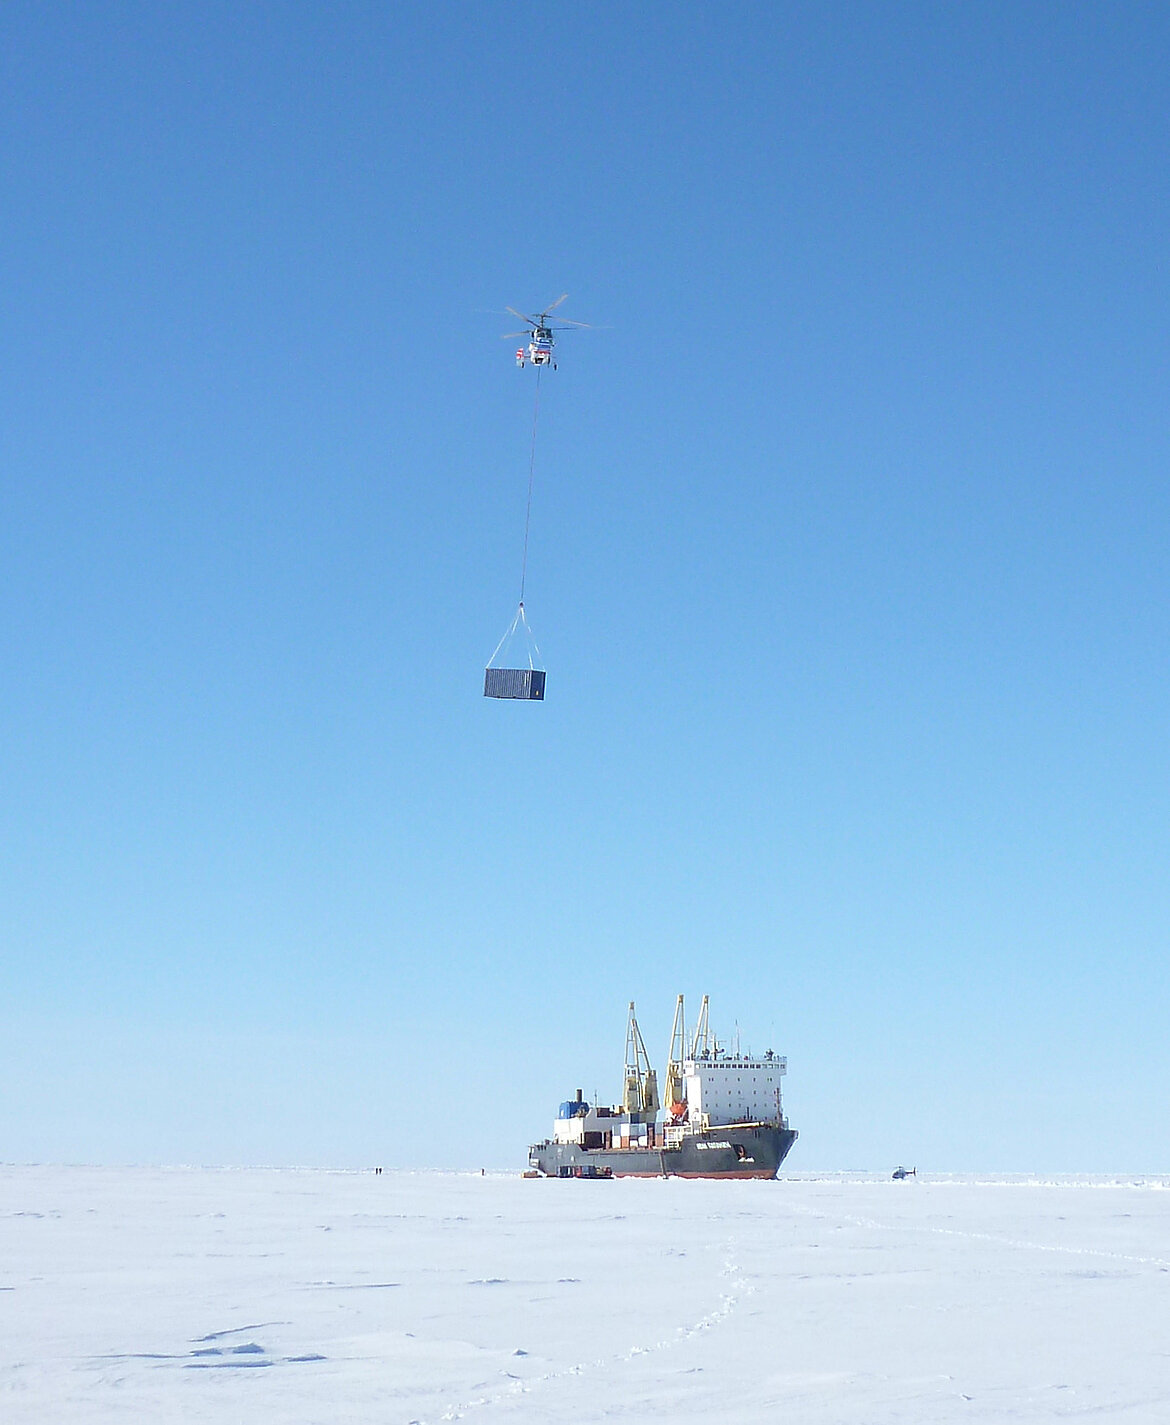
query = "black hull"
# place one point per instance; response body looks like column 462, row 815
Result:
column 733, row 1152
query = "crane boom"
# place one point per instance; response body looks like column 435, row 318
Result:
column 640, row 1098
column 675, row 1086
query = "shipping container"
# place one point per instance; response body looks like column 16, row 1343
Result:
column 525, row 684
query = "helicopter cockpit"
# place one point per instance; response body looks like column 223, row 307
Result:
column 540, row 347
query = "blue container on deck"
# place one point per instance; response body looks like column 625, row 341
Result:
column 527, row 684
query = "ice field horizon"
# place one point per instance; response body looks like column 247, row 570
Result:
column 422, row 1295
column 973, row 1177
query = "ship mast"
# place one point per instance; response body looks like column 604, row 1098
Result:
column 641, row 1090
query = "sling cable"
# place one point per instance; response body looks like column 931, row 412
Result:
column 526, row 684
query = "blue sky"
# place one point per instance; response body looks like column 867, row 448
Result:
column 847, row 564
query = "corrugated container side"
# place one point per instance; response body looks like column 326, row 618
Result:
column 525, row 684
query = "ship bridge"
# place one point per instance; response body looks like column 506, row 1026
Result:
column 734, row 1088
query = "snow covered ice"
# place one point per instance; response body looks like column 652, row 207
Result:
column 234, row 1296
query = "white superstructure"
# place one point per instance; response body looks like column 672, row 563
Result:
column 733, row 1088
column 708, row 1088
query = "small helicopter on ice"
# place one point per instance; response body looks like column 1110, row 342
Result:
column 541, row 336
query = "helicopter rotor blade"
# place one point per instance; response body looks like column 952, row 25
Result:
column 555, row 305
column 505, row 336
column 532, row 322
column 566, row 324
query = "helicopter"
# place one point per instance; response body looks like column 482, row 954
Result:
column 540, row 335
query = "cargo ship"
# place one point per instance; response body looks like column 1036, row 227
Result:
column 722, row 1116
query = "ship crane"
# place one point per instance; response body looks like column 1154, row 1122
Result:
column 676, row 1088
column 640, row 1097
column 701, row 1042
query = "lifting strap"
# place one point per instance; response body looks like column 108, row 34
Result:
column 510, row 630
column 528, row 511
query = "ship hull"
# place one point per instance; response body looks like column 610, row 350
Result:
column 755, row 1151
